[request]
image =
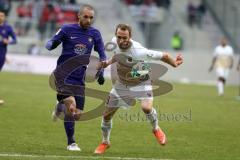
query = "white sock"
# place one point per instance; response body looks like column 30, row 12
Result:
column 106, row 129
column 220, row 87
column 153, row 118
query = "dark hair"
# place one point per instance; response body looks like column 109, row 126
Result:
column 2, row 11
column 85, row 6
column 124, row 27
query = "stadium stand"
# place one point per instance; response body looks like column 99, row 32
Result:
column 199, row 42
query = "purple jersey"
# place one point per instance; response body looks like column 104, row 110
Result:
column 6, row 31
column 77, row 41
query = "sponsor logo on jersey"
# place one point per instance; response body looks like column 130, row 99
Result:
column 80, row 49
column 73, row 37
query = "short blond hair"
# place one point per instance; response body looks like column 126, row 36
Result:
column 87, row 6
column 124, row 27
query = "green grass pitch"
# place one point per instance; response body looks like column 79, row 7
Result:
column 198, row 124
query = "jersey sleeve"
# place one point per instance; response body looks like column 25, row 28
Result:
column 12, row 35
column 156, row 55
column 99, row 46
column 231, row 52
column 56, row 39
column 215, row 52
column 144, row 53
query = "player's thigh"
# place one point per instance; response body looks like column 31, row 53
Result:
column 80, row 101
column 220, row 72
column 144, row 94
column 120, row 96
column 226, row 73
column 143, row 90
column 68, row 100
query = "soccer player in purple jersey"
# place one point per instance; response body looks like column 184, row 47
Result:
column 6, row 31
column 77, row 40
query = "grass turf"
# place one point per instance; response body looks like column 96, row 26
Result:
column 198, row 123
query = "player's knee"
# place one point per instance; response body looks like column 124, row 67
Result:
column 107, row 117
column 222, row 79
column 108, row 114
column 146, row 106
column 69, row 101
column 147, row 110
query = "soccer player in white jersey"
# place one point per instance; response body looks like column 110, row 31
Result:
column 223, row 62
column 125, row 89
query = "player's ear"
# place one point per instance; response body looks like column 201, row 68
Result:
column 79, row 15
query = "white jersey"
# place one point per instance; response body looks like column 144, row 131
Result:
column 132, row 64
column 223, row 55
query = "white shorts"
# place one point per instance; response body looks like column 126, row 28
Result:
column 222, row 72
column 125, row 96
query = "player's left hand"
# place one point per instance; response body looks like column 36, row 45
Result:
column 100, row 78
column 178, row 60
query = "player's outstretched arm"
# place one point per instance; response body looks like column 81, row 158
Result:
column 100, row 70
column 167, row 58
column 231, row 62
column 105, row 64
column 212, row 64
column 57, row 39
column 52, row 44
column 13, row 37
column 238, row 66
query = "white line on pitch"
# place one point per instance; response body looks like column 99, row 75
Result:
column 75, row 157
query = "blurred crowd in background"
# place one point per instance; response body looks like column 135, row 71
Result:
column 38, row 20
column 195, row 13
column 47, row 14
column 158, row 3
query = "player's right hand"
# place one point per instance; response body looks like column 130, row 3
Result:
column 5, row 41
column 210, row 69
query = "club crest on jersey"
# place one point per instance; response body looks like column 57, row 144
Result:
column 90, row 39
column 80, row 49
